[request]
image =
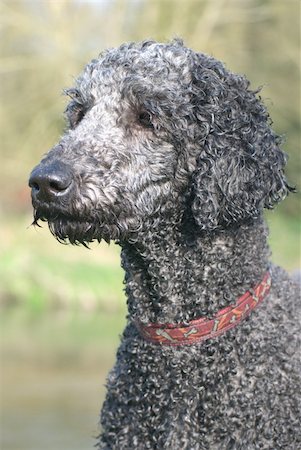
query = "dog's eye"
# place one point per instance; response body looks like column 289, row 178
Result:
column 75, row 113
column 145, row 119
column 78, row 114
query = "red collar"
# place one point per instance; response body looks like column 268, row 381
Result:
column 201, row 329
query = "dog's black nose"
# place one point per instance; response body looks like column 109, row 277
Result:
column 48, row 181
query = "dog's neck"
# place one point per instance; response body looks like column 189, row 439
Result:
column 174, row 277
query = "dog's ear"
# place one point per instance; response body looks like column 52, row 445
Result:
column 240, row 164
column 233, row 188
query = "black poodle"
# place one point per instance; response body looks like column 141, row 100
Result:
column 172, row 156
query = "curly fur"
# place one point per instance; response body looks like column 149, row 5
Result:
column 173, row 156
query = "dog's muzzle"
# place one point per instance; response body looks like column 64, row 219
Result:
column 50, row 182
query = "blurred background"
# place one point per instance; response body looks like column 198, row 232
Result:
column 63, row 308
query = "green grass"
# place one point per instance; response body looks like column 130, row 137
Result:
column 284, row 240
column 39, row 276
column 60, row 304
column 64, row 306
column 43, row 282
column 68, row 300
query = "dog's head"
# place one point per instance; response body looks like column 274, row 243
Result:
column 155, row 129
